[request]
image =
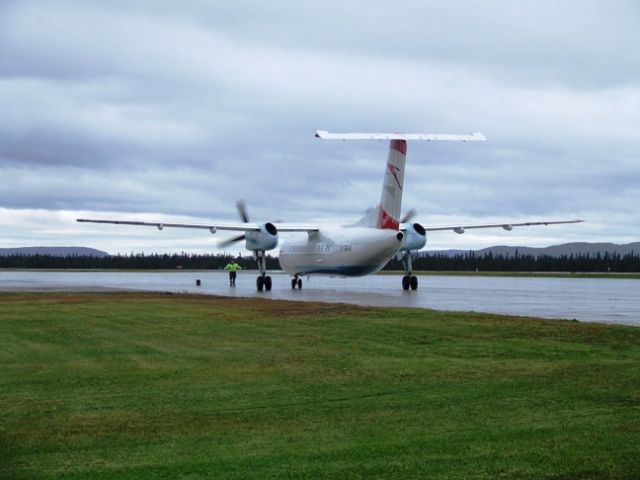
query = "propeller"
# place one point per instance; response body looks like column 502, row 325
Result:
column 242, row 210
column 409, row 215
column 244, row 216
column 230, row 241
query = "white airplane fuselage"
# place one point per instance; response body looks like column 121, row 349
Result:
column 347, row 251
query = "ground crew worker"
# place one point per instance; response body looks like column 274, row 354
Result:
column 232, row 267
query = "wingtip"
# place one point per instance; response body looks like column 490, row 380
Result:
column 481, row 136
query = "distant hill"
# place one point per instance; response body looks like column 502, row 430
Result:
column 575, row 248
column 54, row 251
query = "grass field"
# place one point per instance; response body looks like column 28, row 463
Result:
column 175, row 386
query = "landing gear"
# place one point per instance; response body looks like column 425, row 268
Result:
column 296, row 282
column 263, row 282
column 409, row 281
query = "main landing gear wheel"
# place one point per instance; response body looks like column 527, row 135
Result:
column 409, row 282
column 296, row 282
column 263, row 283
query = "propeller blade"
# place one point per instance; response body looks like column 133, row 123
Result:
column 242, row 210
column 409, row 215
column 231, row 241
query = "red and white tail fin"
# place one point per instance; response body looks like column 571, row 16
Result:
column 387, row 215
column 391, row 195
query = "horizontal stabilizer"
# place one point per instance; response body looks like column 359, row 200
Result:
column 447, row 137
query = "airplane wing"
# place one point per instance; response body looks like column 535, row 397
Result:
column 506, row 225
column 212, row 227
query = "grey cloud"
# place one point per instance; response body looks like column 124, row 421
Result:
column 574, row 42
column 154, row 107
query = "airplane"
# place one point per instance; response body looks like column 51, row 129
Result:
column 354, row 250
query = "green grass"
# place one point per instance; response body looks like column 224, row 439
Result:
column 175, row 386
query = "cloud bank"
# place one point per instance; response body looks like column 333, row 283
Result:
column 160, row 110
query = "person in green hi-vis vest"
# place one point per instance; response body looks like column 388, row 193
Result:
column 232, row 267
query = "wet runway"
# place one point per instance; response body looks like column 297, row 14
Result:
column 585, row 299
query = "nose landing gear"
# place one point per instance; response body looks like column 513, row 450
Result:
column 296, row 282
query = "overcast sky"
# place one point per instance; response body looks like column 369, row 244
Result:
column 174, row 110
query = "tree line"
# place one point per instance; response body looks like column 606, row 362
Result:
column 490, row 262
column 137, row 261
column 607, row 262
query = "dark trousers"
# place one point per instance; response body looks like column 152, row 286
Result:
column 232, row 278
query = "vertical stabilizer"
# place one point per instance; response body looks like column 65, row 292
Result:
column 387, row 215
column 391, row 196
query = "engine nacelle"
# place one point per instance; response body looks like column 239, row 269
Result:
column 264, row 239
column 415, row 236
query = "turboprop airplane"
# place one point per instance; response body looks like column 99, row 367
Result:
column 353, row 250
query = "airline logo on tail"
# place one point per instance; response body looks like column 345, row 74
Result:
column 395, row 171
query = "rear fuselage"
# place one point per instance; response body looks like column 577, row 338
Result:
column 350, row 251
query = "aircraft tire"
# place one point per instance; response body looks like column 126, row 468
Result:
column 267, row 284
column 293, row 283
column 406, row 280
column 413, row 282
column 260, row 283
column 299, row 284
